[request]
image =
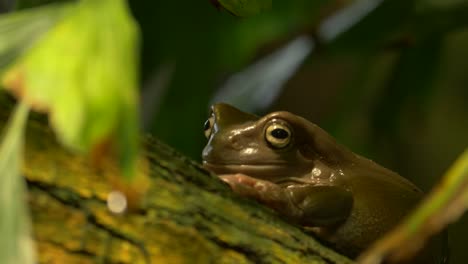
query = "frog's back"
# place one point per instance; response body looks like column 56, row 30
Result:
column 382, row 199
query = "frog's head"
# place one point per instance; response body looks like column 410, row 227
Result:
column 272, row 147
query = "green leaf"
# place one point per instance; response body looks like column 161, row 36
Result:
column 84, row 74
column 19, row 30
column 16, row 244
column 22, row 4
column 244, row 7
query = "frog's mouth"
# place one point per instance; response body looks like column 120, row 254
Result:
column 261, row 171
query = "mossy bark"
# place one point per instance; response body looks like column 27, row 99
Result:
column 186, row 215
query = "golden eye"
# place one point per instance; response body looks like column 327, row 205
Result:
column 278, row 135
column 208, row 126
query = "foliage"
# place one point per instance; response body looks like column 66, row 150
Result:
column 18, row 31
column 63, row 59
column 70, row 73
column 16, row 245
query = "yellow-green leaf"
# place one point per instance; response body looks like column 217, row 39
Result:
column 19, row 30
column 83, row 72
column 16, row 245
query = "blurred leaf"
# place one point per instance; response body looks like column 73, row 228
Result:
column 16, row 245
column 255, row 88
column 445, row 204
column 21, row 4
column 243, row 7
column 20, row 30
column 369, row 27
column 154, row 90
column 84, row 73
column 346, row 18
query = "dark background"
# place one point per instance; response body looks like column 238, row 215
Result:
column 393, row 86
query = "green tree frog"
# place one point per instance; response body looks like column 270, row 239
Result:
column 294, row 167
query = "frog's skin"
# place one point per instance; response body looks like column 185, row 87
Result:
column 306, row 176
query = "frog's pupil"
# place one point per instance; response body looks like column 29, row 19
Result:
column 279, row 133
column 207, row 125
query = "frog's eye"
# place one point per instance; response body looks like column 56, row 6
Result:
column 208, row 126
column 278, row 135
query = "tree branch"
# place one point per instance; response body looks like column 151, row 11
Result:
column 186, row 215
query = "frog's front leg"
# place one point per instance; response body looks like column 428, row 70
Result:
column 306, row 204
column 266, row 192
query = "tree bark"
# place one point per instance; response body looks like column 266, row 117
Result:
column 186, row 215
